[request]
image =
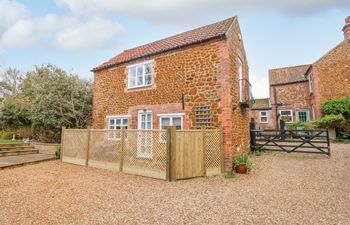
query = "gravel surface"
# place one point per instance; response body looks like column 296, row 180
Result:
column 282, row 189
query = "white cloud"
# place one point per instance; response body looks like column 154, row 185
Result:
column 10, row 12
column 18, row 29
column 96, row 32
column 260, row 86
column 169, row 10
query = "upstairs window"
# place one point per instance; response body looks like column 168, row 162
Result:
column 140, row 75
column 311, row 82
column 240, row 80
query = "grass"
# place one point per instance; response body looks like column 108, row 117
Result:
column 9, row 142
column 342, row 141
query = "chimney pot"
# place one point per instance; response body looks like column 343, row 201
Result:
column 346, row 28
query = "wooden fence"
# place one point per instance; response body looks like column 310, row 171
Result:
column 163, row 154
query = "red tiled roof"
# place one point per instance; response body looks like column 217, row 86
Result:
column 288, row 74
column 195, row 36
column 261, row 103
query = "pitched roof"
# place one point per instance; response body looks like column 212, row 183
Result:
column 288, row 74
column 195, row 36
column 261, row 103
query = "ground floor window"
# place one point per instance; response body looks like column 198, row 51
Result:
column 116, row 123
column 263, row 117
column 286, row 116
column 303, row 116
column 166, row 120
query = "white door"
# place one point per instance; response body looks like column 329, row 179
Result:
column 144, row 137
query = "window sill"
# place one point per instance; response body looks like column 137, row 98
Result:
column 140, row 87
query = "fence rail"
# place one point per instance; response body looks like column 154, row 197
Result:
column 162, row 154
column 302, row 141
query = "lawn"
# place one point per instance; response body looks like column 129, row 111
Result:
column 9, row 142
column 281, row 189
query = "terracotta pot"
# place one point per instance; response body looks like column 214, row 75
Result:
column 242, row 168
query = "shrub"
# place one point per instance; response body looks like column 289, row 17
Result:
column 337, row 106
column 58, row 151
column 6, row 134
column 332, row 120
column 24, row 132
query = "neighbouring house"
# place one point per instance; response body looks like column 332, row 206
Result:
column 191, row 80
column 297, row 93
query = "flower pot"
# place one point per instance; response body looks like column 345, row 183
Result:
column 242, row 168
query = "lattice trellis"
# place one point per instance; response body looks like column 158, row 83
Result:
column 214, row 153
column 145, row 153
column 75, row 145
column 105, row 149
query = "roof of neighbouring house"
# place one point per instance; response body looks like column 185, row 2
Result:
column 261, row 103
column 287, row 75
column 199, row 35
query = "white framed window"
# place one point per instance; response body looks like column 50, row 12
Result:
column 140, row 75
column 311, row 82
column 175, row 119
column 240, row 79
column 166, row 120
column 286, row 115
column 116, row 123
column 264, row 117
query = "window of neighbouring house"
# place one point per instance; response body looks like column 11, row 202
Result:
column 286, row 115
column 311, row 82
column 116, row 123
column 263, row 117
column 140, row 75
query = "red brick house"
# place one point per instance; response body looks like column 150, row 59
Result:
column 297, row 93
column 193, row 79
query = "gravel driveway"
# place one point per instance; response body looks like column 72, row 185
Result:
column 282, row 189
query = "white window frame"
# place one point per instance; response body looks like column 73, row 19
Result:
column 240, row 78
column 311, row 82
column 143, row 64
column 291, row 114
column 116, row 117
column 171, row 116
column 267, row 116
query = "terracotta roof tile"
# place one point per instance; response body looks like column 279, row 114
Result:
column 198, row 35
column 288, row 74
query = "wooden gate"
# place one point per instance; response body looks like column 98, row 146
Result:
column 187, row 154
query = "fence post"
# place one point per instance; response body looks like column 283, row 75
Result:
column 171, row 153
column 62, row 137
column 252, row 136
column 122, row 139
column 204, row 152
column 328, row 145
column 88, row 146
column 222, row 153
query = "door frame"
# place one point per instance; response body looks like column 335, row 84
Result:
column 141, row 135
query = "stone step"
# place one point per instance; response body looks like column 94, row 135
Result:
column 18, row 152
column 2, row 146
column 15, row 148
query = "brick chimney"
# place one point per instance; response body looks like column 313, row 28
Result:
column 346, row 28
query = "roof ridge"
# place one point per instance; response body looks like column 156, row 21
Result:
column 198, row 35
column 288, row 67
column 185, row 32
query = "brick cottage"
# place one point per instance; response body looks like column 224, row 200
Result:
column 193, row 79
column 297, row 93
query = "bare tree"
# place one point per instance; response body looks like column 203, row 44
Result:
column 10, row 80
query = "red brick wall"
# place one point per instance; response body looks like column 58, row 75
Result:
column 332, row 76
column 294, row 96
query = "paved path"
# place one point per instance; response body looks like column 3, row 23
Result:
column 18, row 160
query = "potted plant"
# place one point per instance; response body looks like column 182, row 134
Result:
column 242, row 164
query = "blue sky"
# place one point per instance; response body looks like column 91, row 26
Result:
column 77, row 35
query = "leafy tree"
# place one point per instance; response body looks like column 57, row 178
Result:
column 14, row 112
column 57, row 98
column 11, row 79
column 337, row 106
